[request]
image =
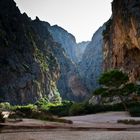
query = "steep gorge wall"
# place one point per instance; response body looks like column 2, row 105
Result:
column 80, row 49
column 28, row 69
column 122, row 38
column 70, row 84
column 91, row 66
column 32, row 64
column 66, row 40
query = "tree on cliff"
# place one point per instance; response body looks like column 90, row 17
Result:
column 115, row 83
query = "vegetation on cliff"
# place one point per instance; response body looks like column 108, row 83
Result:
column 28, row 68
column 115, row 84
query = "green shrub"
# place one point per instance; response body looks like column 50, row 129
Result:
column 26, row 111
column 131, row 121
column 113, row 78
column 77, row 109
column 103, row 108
column 45, row 104
column 134, row 111
column 62, row 109
column 86, row 108
column 42, row 103
column 5, row 106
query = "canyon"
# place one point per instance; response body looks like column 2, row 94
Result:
column 38, row 60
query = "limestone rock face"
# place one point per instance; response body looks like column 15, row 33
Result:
column 69, row 83
column 28, row 68
column 32, row 64
column 122, row 38
column 66, row 39
column 80, row 49
column 73, row 50
column 91, row 66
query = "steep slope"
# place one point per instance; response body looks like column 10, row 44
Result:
column 122, row 38
column 66, row 39
column 69, row 83
column 32, row 65
column 28, row 69
column 91, row 65
column 80, row 49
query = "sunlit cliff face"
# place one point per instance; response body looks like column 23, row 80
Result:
column 122, row 44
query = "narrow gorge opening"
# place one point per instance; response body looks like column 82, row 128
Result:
column 55, row 66
column 45, row 74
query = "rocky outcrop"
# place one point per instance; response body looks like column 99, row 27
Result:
column 122, row 38
column 80, row 49
column 28, row 68
column 91, row 66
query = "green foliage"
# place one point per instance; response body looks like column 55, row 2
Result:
column 45, row 104
column 86, row 108
column 59, row 109
column 131, row 121
column 138, row 89
column 113, row 78
column 42, row 103
column 62, row 109
column 5, row 106
column 128, row 89
column 77, row 109
column 116, row 84
column 27, row 110
column 100, row 91
column 57, row 97
column 135, row 111
column 41, row 59
column 104, row 92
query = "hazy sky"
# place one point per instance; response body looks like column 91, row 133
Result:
column 79, row 17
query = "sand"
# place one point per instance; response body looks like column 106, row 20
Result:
column 100, row 126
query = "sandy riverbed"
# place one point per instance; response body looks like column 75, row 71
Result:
column 74, row 131
column 71, row 135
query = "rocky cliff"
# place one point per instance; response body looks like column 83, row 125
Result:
column 32, row 64
column 91, row 66
column 69, row 84
column 80, row 49
column 28, row 69
column 122, row 38
column 73, row 50
column 66, row 39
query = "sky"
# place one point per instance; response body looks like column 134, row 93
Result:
column 79, row 17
